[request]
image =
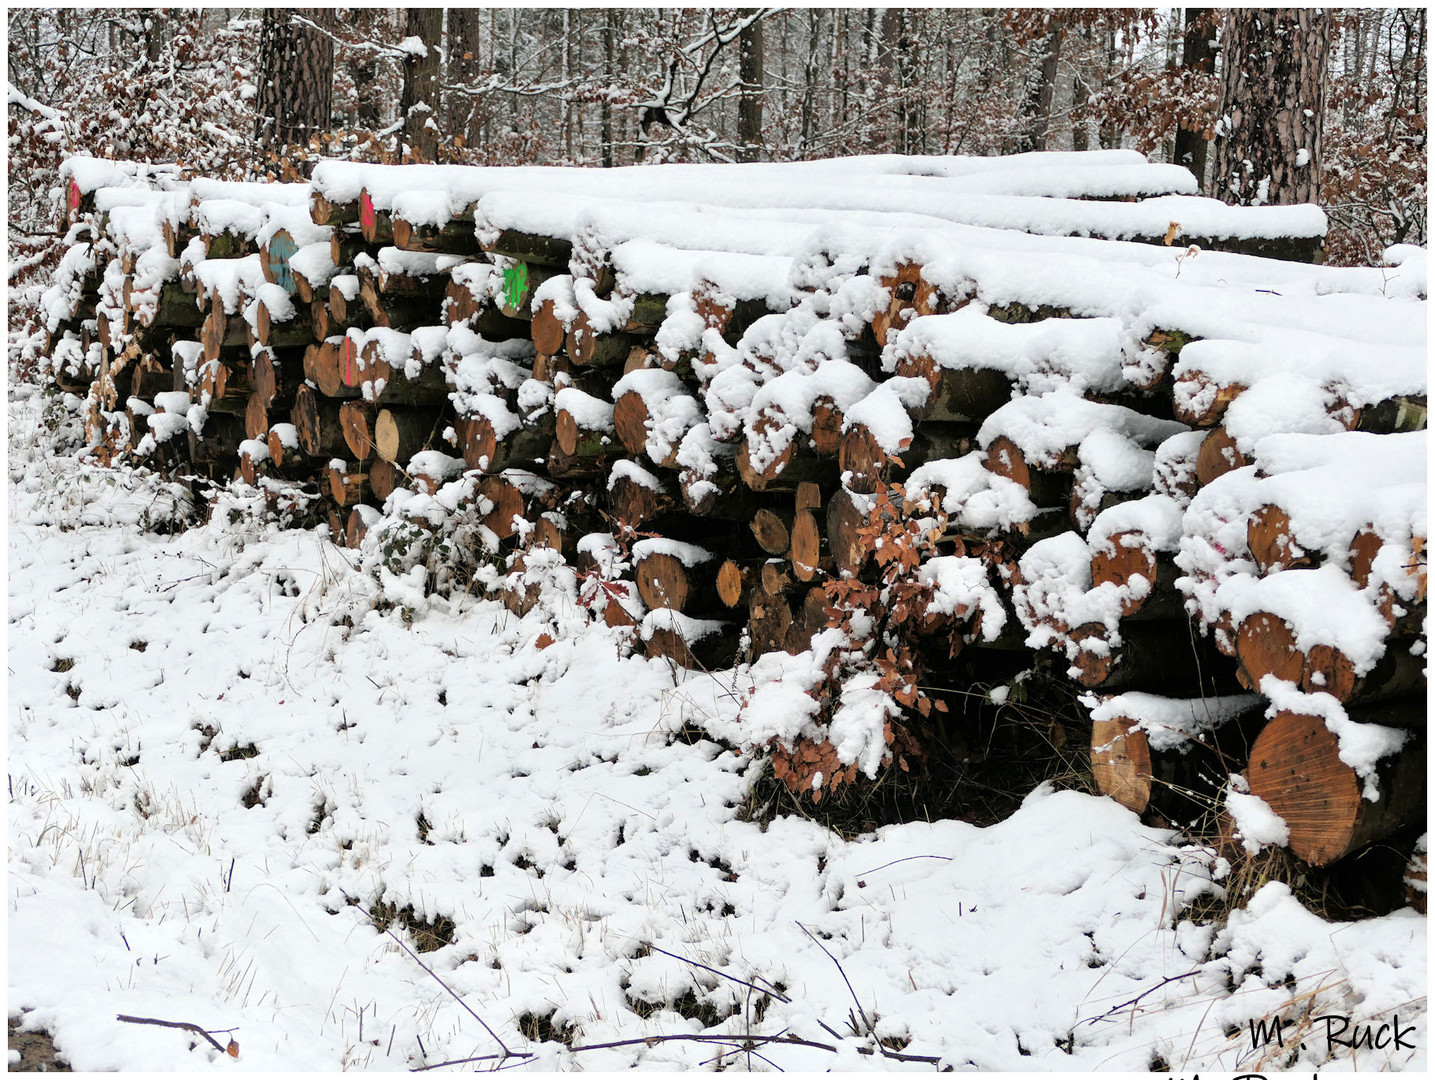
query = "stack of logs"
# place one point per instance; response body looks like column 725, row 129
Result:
column 268, row 334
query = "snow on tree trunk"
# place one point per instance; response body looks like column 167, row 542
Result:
column 421, row 91
column 1272, row 105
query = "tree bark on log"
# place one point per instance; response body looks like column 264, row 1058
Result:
column 317, row 420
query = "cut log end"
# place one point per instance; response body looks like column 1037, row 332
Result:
column 1121, row 762
column 1296, row 769
column 1265, row 645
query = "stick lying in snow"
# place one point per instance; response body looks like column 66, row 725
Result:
column 232, row 1049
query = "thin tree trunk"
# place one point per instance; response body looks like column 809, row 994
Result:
column 1198, row 53
column 749, row 108
column 1043, row 94
column 610, row 70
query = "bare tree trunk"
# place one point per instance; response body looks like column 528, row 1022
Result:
column 1198, row 53
column 749, row 107
column 296, row 79
column 156, row 22
column 1037, row 108
column 610, row 69
column 1272, row 104
column 420, row 98
column 465, row 37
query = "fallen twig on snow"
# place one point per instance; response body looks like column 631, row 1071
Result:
column 232, row 1049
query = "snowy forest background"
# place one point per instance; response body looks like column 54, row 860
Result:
column 602, row 87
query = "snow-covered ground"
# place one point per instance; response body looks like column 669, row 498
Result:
column 225, row 750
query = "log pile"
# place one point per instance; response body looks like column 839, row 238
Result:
column 690, row 389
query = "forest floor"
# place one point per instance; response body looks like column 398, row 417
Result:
column 248, row 793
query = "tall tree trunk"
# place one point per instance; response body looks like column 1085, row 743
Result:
column 296, row 80
column 749, row 106
column 465, row 38
column 1041, row 96
column 1198, row 53
column 1272, row 105
column 610, row 70
column 155, row 23
column 419, row 101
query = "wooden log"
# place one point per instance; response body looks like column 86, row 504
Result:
column 809, row 618
column 274, row 258
column 1164, row 657
column 1219, row 455
column 966, row 395
column 346, row 244
column 376, row 225
column 219, row 332
column 1182, row 783
column 456, row 237
column 291, row 332
column 768, row 622
column 870, row 466
column 323, row 367
column 1201, row 401
column 1164, row 348
column 772, row 529
column 276, row 375
column 636, row 496
column 1396, row 674
column 524, row 448
column 357, row 420
column 547, row 329
column 805, row 550
column 384, row 478
column 399, row 434
column 793, row 465
column 665, row 581
column 576, row 438
column 228, row 379
column 728, row 316
column 589, row 348
column 397, row 312
column 1296, row 769
column 283, row 443
column 845, row 516
column 735, row 580
column 324, row 212
column 519, row 283
column 256, row 418
column 1271, row 539
column 1265, row 645
column 911, row 296
column 777, row 578
column 1047, row 487
column 358, row 525
column 550, row 251
column 175, row 307
column 218, row 442
column 1175, row 472
column 149, row 380
column 346, row 307
column 1127, row 555
column 347, row 486
column 1405, row 412
column 316, row 419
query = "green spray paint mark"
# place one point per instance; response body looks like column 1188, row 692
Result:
column 515, row 285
